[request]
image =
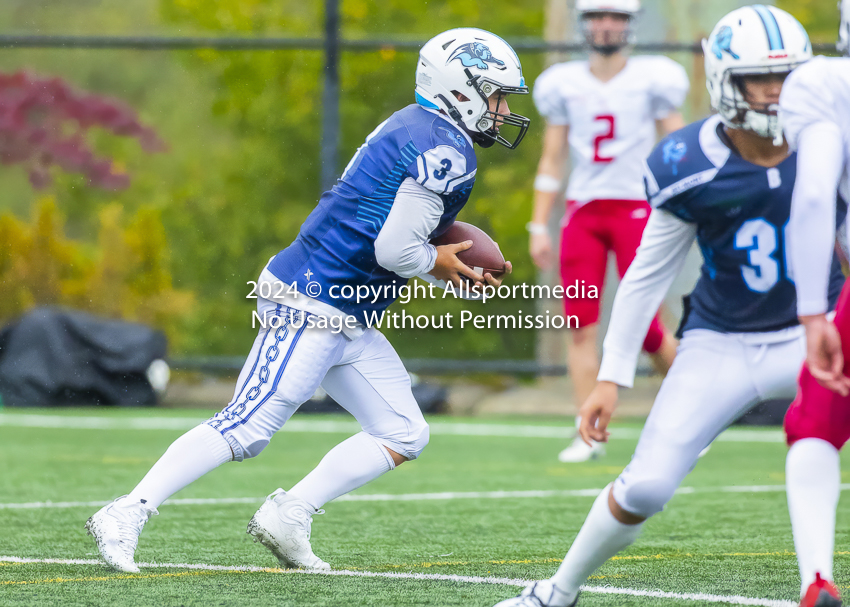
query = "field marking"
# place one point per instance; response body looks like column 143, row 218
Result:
column 623, row 557
column 704, row 597
column 566, row 431
column 131, row 576
column 410, row 497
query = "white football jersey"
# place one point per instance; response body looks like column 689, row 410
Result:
column 819, row 91
column 612, row 124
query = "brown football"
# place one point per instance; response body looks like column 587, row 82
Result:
column 483, row 256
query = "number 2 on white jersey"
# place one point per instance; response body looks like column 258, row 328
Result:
column 607, row 118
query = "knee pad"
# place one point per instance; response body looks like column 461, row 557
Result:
column 645, row 497
column 411, row 445
column 254, row 449
column 419, row 440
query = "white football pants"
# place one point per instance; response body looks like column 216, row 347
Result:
column 288, row 363
column 715, row 378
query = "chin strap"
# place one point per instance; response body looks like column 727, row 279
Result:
column 476, row 136
column 453, row 111
column 481, row 139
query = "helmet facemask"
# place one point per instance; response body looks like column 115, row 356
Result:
column 737, row 112
column 614, row 42
column 489, row 125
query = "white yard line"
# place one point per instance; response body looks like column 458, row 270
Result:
column 705, row 598
column 93, row 422
column 409, row 497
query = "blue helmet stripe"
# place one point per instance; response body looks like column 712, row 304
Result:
column 425, row 103
column 774, row 35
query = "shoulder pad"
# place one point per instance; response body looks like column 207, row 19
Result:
column 681, row 162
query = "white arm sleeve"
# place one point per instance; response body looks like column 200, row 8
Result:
column 660, row 257
column 811, row 243
column 402, row 244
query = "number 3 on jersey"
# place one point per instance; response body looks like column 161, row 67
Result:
column 761, row 238
column 447, row 166
column 610, row 121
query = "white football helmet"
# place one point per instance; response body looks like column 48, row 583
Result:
column 630, row 8
column 843, row 45
column 627, row 7
column 459, row 70
column 752, row 40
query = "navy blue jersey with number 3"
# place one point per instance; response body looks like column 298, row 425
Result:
column 741, row 212
column 336, row 244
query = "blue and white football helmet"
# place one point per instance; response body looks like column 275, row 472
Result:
column 752, row 40
column 459, row 70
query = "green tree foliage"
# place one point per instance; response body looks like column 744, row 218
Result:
column 124, row 274
column 819, row 17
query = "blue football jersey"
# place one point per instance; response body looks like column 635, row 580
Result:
column 741, row 212
column 336, row 244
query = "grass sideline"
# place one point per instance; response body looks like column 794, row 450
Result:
column 709, row 542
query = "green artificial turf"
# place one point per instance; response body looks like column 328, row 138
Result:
column 706, row 542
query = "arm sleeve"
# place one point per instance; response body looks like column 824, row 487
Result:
column 665, row 244
column 402, row 244
column 670, row 88
column 805, row 100
column 549, row 100
column 820, row 160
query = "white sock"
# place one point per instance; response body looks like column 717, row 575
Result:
column 351, row 464
column 812, row 478
column 188, row 458
column 601, row 537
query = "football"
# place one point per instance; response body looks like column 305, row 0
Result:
column 484, row 255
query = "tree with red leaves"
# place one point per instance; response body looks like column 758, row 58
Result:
column 43, row 122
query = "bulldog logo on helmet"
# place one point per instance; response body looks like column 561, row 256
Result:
column 723, row 42
column 475, row 54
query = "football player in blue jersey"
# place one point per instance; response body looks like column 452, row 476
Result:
column 725, row 182
column 403, row 187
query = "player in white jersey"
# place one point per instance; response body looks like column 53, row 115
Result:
column 815, row 112
column 403, row 188
column 607, row 111
column 725, row 182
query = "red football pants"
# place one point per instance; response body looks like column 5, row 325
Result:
column 590, row 232
column 818, row 412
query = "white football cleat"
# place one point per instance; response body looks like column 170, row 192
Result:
column 540, row 594
column 116, row 528
column 580, row 451
column 283, row 524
